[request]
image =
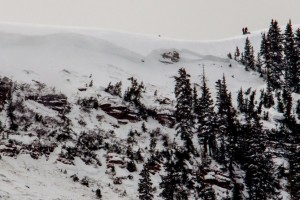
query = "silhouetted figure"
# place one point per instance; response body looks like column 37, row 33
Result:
column 245, row 31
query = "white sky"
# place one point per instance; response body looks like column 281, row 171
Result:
column 184, row 19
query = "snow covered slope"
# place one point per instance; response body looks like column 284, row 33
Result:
column 69, row 59
column 42, row 54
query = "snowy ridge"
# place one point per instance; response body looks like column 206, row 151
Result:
column 67, row 60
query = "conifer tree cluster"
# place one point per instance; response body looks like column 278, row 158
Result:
column 237, row 144
column 278, row 60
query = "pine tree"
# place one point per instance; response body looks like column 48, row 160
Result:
column 223, row 105
column 280, row 106
column 186, row 180
column 249, row 60
column 259, row 65
column 265, row 54
column 232, row 132
column 251, row 106
column 195, row 99
column 237, row 54
column 114, row 89
column 133, row 95
column 237, row 193
column 184, row 109
column 296, row 70
column 268, row 96
column 170, row 181
column 294, row 173
column 227, row 125
column 145, row 185
column 292, row 59
column 223, row 102
column 242, row 59
column 276, row 53
column 240, row 100
column 195, row 104
column 298, row 109
column 289, row 119
column 260, row 176
column 205, row 114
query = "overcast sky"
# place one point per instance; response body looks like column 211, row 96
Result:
column 184, row 19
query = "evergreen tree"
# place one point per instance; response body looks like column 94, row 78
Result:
column 296, row 70
column 205, row 114
column 145, row 185
column 227, row 125
column 237, row 193
column 240, row 100
column 195, row 104
column 186, row 179
column 169, row 181
column 249, row 61
column 114, row 89
column 260, row 176
column 250, row 111
column 184, row 109
column 223, row 101
column 176, row 184
column 259, row 65
column 264, row 46
column 294, row 172
column 280, row 106
column 289, row 119
column 232, row 133
column 276, row 53
column 195, row 99
column 268, row 96
column 292, row 59
column 265, row 54
column 242, row 59
column 237, row 54
column 298, row 109
column 133, row 95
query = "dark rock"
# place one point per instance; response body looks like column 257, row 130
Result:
column 120, row 112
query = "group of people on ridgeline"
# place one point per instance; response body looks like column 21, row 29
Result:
column 245, row 31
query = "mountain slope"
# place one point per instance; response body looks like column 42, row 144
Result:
column 46, row 61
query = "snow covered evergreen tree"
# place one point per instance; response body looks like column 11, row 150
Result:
column 237, row 54
column 296, row 70
column 240, row 100
column 277, row 64
column 249, row 60
column 145, row 184
column 133, row 95
column 171, row 180
column 292, row 57
column 206, row 117
column 298, row 109
column 268, row 100
column 184, row 109
column 294, row 172
column 259, row 65
column 260, row 175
